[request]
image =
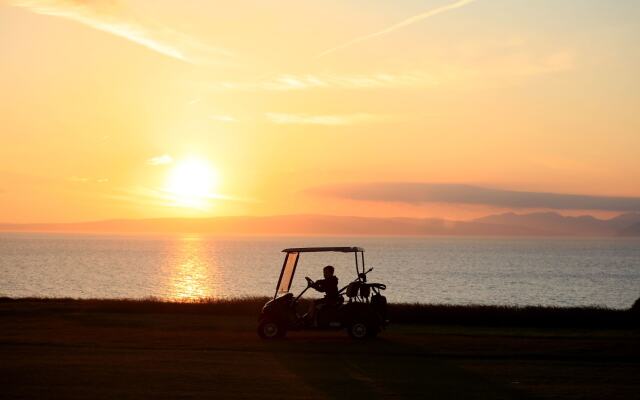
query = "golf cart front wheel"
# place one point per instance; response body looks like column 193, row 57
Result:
column 360, row 330
column 270, row 329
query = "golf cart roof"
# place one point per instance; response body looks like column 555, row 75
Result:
column 319, row 249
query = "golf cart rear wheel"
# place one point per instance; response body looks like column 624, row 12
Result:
column 360, row 330
column 270, row 329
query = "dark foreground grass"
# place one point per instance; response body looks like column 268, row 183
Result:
column 400, row 313
column 150, row 349
column 243, row 306
column 530, row 316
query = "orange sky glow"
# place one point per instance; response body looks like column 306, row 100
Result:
column 150, row 109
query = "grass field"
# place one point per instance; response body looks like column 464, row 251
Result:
column 109, row 349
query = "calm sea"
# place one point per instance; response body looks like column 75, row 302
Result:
column 520, row 271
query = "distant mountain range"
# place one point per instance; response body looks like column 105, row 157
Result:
column 508, row 224
column 554, row 224
column 633, row 230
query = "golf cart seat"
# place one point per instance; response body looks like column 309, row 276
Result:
column 339, row 301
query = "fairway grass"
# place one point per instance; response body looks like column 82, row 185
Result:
column 105, row 349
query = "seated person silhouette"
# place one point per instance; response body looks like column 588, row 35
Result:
column 328, row 286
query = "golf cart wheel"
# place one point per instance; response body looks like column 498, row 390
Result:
column 270, row 329
column 361, row 330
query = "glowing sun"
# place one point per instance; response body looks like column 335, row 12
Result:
column 192, row 182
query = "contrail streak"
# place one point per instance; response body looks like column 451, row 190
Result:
column 108, row 16
column 399, row 25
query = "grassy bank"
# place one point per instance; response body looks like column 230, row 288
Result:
column 133, row 349
column 399, row 313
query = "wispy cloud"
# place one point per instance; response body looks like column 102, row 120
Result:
column 82, row 179
column 399, row 25
column 160, row 160
column 519, row 63
column 223, row 118
column 331, row 120
column 78, row 179
column 293, row 82
column 524, row 65
column 161, row 198
column 418, row 192
column 112, row 17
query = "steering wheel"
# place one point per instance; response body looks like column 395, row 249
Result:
column 309, row 281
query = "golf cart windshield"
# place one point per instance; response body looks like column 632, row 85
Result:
column 286, row 276
column 293, row 255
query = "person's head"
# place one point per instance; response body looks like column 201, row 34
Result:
column 327, row 271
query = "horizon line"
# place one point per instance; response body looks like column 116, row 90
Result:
column 116, row 219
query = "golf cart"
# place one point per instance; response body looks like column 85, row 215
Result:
column 363, row 314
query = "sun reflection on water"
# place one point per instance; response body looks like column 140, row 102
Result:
column 190, row 271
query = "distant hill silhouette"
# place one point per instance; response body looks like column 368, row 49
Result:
column 633, row 230
column 551, row 223
column 280, row 225
column 508, row 224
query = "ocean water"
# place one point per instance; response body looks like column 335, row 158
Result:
column 507, row 271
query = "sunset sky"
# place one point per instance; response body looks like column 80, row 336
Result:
column 433, row 108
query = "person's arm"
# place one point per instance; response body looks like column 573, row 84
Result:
column 319, row 285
